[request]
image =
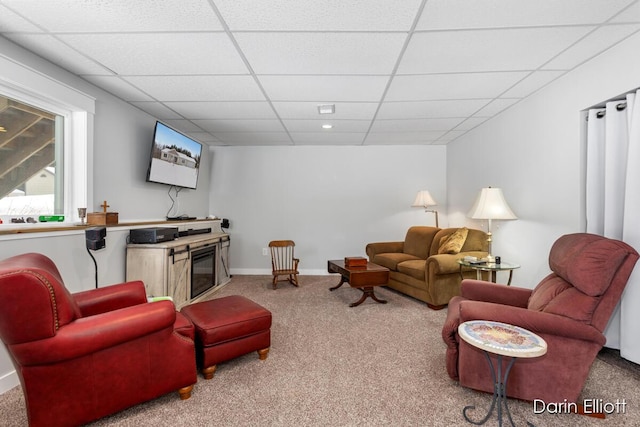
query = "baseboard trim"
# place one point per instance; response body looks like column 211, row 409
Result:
column 9, row 381
column 267, row 272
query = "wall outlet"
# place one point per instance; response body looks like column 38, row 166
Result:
column 265, row 252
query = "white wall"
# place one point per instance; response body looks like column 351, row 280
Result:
column 122, row 147
column 533, row 152
column 331, row 201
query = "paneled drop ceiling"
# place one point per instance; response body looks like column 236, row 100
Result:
column 253, row 72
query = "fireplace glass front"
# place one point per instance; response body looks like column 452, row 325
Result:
column 203, row 270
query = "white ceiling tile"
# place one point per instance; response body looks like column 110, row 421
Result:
column 254, row 138
column 328, row 138
column 403, row 137
column 199, row 88
column 532, row 83
column 631, row 14
column 415, row 125
column 255, row 142
column 431, row 109
column 343, row 110
column 468, row 60
column 496, row 106
column 119, row 88
column 223, row 110
column 13, row 22
column 471, row 123
column 161, row 54
column 321, row 53
column 183, row 125
column 335, row 88
column 338, row 125
column 59, row 53
column 204, row 137
column 319, row 15
column 451, row 86
column 451, row 135
column 451, row 14
column 240, row 125
column 157, row 110
column 118, row 15
column 590, row 46
column 486, row 50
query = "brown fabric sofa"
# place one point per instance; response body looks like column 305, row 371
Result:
column 569, row 309
column 419, row 271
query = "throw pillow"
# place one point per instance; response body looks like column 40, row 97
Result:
column 454, row 242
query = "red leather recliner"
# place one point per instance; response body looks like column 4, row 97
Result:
column 83, row 356
column 570, row 309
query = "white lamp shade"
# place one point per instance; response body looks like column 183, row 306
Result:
column 491, row 204
column 423, row 199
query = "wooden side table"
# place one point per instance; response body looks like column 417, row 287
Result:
column 363, row 277
column 500, row 339
column 491, row 267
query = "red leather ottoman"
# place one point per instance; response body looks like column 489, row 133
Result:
column 226, row 328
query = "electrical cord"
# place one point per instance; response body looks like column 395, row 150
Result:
column 95, row 264
column 173, row 201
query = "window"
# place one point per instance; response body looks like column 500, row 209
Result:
column 32, row 147
column 69, row 121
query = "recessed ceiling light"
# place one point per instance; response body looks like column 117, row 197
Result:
column 326, row 108
column 327, row 126
column 2, row 129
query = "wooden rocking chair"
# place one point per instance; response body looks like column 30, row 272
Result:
column 283, row 261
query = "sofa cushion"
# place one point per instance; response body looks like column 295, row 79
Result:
column 418, row 241
column 476, row 241
column 454, row 242
column 392, row 259
column 414, row 268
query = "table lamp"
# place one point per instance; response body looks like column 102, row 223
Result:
column 490, row 205
column 424, row 200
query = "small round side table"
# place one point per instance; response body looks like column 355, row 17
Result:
column 500, row 339
column 491, row 267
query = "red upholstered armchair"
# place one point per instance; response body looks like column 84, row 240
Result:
column 569, row 309
column 83, row 356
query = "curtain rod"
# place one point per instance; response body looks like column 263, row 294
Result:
column 600, row 114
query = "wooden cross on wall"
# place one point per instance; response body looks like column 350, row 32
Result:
column 104, row 206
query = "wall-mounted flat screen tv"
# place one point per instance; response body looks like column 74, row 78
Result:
column 175, row 158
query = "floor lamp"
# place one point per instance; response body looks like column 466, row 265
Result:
column 490, row 205
column 424, row 200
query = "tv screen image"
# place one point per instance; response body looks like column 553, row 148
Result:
column 175, row 158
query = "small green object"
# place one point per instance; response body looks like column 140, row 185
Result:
column 51, row 218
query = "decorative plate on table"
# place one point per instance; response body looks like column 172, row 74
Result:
column 502, row 338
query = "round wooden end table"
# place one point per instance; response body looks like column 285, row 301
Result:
column 503, row 340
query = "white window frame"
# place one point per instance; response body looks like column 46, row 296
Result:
column 27, row 85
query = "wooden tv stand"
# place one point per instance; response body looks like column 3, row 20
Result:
column 166, row 267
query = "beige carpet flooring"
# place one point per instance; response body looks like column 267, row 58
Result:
column 332, row 365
